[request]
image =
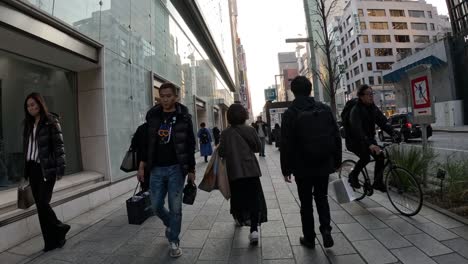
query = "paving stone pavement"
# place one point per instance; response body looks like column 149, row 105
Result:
column 369, row 231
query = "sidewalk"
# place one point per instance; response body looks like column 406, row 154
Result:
column 364, row 232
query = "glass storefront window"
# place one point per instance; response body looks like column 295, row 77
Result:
column 18, row 78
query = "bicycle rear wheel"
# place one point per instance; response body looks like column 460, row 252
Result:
column 404, row 191
column 345, row 169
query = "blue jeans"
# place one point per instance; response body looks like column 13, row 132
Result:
column 262, row 146
column 170, row 181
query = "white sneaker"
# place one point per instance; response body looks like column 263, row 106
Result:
column 253, row 237
column 175, row 250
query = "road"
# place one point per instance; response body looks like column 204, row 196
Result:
column 446, row 141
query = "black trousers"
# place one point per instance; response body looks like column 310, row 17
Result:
column 364, row 159
column 314, row 187
column 42, row 192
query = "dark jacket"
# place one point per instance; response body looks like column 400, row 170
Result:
column 216, row 135
column 51, row 153
column 294, row 162
column 264, row 127
column 363, row 119
column 182, row 136
column 139, row 140
column 238, row 145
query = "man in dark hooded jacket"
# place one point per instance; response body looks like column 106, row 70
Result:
column 311, row 151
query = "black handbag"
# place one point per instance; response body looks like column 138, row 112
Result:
column 190, row 192
column 129, row 162
column 25, row 196
column 139, row 207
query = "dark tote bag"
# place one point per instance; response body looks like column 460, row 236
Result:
column 25, row 196
column 190, row 192
column 129, row 163
column 139, row 207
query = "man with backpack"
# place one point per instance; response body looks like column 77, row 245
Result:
column 359, row 118
column 310, row 150
column 205, row 141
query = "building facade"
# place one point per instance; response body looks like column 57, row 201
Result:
column 375, row 34
column 288, row 69
column 99, row 65
column 458, row 11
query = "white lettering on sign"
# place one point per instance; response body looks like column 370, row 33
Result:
column 466, row 38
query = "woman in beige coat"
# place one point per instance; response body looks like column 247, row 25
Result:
column 238, row 146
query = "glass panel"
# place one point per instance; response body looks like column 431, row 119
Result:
column 44, row 5
column 419, row 26
column 378, row 25
column 400, row 25
column 119, row 109
column 115, row 33
column 376, row 12
column 397, row 13
column 142, row 49
column 160, row 27
column 416, row 13
column 19, row 78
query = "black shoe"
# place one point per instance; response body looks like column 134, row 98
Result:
column 380, row 186
column 327, row 240
column 50, row 246
column 354, row 182
column 64, row 228
column 61, row 243
column 306, row 243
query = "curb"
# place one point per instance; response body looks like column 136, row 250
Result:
column 449, row 131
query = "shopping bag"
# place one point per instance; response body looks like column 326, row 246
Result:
column 139, row 207
column 190, row 192
column 222, row 180
column 208, row 182
column 129, row 162
column 25, row 196
column 344, row 192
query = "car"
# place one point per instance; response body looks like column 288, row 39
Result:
column 408, row 130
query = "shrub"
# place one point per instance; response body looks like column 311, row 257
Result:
column 456, row 182
column 415, row 159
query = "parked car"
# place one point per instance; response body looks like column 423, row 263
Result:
column 407, row 129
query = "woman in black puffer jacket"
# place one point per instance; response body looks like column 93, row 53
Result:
column 45, row 162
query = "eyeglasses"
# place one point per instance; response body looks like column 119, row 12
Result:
column 369, row 93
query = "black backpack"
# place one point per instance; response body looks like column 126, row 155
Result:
column 346, row 115
column 314, row 130
column 204, row 138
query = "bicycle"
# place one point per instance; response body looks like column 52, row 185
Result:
column 403, row 189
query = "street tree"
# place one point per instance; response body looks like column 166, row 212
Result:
column 328, row 64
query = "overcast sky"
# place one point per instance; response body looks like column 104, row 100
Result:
column 263, row 26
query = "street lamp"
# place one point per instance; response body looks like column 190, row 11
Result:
column 383, row 89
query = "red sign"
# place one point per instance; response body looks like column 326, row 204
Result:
column 420, row 90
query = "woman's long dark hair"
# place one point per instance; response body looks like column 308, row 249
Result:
column 43, row 111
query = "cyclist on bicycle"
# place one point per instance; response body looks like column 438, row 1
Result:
column 360, row 136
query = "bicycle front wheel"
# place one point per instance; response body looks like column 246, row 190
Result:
column 345, row 169
column 404, row 191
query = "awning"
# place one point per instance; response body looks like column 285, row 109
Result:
column 396, row 75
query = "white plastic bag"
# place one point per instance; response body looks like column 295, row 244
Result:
column 344, row 192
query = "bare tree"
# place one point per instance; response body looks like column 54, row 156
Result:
column 328, row 71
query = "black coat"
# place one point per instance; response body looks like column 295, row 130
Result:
column 182, row 136
column 264, row 127
column 294, row 162
column 363, row 119
column 51, row 151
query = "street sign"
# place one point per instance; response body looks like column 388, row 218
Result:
column 270, row 94
column 421, row 96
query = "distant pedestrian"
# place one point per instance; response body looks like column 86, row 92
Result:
column 310, row 150
column 262, row 131
column 276, row 134
column 216, row 135
column 205, row 141
column 44, row 154
column 239, row 143
column 169, row 156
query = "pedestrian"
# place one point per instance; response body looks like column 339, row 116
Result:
column 138, row 145
column 216, row 135
column 205, row 141
column 276, row 134
column 169, row 156
column 44, row 155
column 262, row 131
column 239, row 143
column 310, row 150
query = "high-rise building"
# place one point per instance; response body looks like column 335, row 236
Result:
column 458, row 11
column 375, row 34
column 99, row 65
column 288, row 68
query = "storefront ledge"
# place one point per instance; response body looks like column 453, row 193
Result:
column 20, row 225
column 8, row 198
